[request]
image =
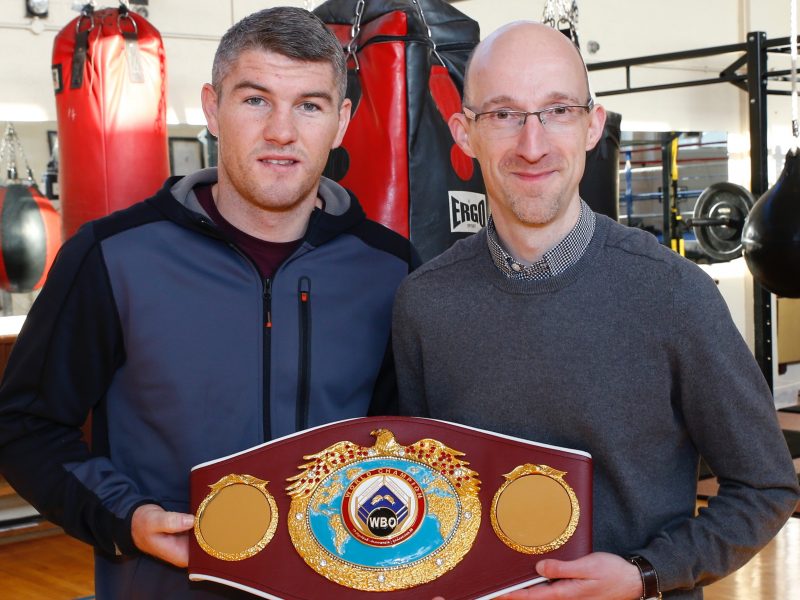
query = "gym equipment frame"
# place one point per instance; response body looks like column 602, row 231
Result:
column 755, row 81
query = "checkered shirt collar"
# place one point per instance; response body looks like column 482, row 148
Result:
column 555, row 261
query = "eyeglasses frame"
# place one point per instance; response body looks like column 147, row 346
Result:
column 473, row 116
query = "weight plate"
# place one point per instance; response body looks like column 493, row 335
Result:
column 722, row 200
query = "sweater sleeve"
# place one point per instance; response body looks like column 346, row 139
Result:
column 730, row 417
column 59, row 370
column 408, row 355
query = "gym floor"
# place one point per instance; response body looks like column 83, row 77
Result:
column 57, row 567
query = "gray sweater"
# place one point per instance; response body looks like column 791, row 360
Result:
column 630, row 355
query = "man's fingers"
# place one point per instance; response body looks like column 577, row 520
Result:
column 599, row 575
column 172, row 548
column 175, row 522
column 585, row 567
column 161, row 533
column 154, row 519
column 555, row 569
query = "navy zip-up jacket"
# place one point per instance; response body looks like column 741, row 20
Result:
column 159, row 326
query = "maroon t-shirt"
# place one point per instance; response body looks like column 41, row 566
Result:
column 267, row 256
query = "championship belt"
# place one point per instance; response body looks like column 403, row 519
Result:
column 409, row 507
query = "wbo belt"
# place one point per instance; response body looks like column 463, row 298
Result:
column 404, row 506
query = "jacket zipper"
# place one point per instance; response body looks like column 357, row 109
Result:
column 267, row 318
column 304, row 360
column 267, row 337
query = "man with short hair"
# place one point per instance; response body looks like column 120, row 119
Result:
column 237, row 305
column 561, row 326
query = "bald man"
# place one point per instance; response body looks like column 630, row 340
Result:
column 562, row 326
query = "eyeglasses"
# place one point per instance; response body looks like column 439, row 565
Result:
column 506, row 123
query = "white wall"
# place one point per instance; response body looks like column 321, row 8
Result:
column 190, row 29
column 624, row 29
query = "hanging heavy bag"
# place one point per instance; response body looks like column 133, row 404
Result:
column 771, row 234
column 599, row 186
column 30, row 227
column 109, row 74
column 406, row 70
column 30, row 231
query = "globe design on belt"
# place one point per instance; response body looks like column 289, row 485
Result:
column 383, row 507
column 387, row 517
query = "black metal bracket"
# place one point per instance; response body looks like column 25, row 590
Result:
column 755, row 81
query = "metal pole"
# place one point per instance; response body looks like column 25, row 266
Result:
column 757, row 103
column 666, row 188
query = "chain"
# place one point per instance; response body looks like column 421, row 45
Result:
column 557, row 15
column 10, row 148
column 355, row 30
column 352, row 46
column 80, row 5
column 428, row 30
column 793, row 54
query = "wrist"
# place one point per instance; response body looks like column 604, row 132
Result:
column 650, row 584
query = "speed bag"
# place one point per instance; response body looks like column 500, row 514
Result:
column 109, row 74
column 398, row 156
column 30, row 236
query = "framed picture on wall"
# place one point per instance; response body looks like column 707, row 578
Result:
column 185, row 155
column 52, row 140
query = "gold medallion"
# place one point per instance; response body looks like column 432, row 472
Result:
column 535, row 511
column 237, row 519
column 387, row 517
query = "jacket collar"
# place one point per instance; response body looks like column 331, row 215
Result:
column 341, row 210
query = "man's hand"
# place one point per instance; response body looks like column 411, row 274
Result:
column 596, row 576
column 162, row 534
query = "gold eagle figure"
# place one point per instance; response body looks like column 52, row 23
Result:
column 320, row 465
column 427, row 451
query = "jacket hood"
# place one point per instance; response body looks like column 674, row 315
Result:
column 337, row 199
column 341, row 211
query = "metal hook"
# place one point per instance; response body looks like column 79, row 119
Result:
column 128, row 16
column 355, row 30
column 430, row 35
column 88, row 15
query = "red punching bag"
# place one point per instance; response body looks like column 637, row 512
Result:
column 109, row 73
column 405, row 76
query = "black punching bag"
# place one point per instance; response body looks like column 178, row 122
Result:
column 599, row 186
column 30, row 236
column 771, row 234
